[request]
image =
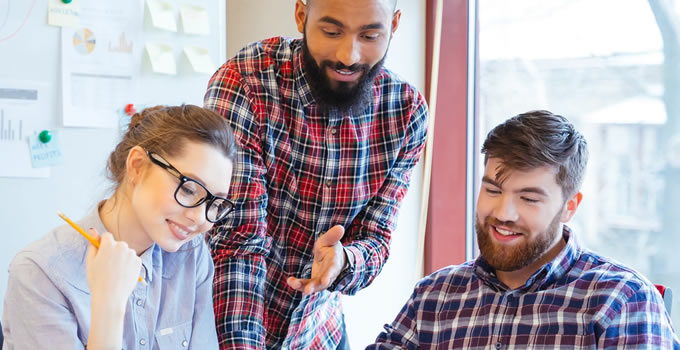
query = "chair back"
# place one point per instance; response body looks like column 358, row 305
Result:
column 667, row 295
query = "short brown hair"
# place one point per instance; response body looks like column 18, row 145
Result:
column 539, row 138
column 165, row 130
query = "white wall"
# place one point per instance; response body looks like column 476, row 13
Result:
column 365, row 313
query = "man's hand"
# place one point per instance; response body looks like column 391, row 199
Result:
column 329, row 260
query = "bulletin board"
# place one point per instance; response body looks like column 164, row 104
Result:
column 74, row 82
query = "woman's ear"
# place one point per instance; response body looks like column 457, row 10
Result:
column 136, row 164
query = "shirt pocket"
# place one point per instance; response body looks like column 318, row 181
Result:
column 177, row 337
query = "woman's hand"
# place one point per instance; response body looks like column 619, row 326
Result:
column 112, row 270
column 112, row 273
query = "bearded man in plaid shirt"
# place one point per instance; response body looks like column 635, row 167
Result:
column 328, row 138
column 533, row 286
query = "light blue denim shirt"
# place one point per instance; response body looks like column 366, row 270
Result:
column 47, row 305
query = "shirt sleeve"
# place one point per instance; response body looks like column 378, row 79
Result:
column 370, row 232
column 239, row 244
column 36, row 314
column 641, row 322
column 204, row 334
column 402, row 333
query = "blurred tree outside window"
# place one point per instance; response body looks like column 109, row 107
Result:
column 611, row 67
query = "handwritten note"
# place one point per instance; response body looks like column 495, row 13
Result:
column 200, row 60
column 194, row 19
column 61, row 14
column 45, row 154
column 161, row 15
column 161, row 58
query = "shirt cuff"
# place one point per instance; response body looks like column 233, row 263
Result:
column 347, row 273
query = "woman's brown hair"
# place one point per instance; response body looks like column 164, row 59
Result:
column 165, row 131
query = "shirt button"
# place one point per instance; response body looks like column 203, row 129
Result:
column 328, row 183
column 185, row 343
column 142, row 342
column 334, row 131
column 139, row 302
column 499, row 345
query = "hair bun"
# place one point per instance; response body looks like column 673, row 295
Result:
column 138, row 117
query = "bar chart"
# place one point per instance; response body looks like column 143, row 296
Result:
column 8, row 131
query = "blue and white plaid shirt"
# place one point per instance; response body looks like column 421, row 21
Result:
column 579, row 300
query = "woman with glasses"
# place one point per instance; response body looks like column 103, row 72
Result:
column 149, row 284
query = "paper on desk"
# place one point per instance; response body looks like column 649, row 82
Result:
column 194, row 19
column 63, row 15
column 200, row 60
column 161, row 58
column 161, row 14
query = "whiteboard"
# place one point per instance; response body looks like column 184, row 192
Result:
column 30, row 51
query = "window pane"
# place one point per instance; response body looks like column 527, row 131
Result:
column 602, row 65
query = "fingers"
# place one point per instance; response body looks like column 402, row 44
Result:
column 307, row 286
column 106, row 239
column 94, row 233
column 331, row 237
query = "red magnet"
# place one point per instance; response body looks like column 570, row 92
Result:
column 130, row 109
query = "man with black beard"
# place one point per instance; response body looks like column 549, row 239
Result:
column 533, row 286
column 328, row 138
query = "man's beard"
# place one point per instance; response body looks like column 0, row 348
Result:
column 352, row 97
column 514, row 258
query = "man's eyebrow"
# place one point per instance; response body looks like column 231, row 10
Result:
column 372, row 26
column 336, row 22
column 331, row 20
column 490, row 181
column 536, row 190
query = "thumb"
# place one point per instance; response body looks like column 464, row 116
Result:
column 332, row 236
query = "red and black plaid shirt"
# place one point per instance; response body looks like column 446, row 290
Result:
column 298, row 173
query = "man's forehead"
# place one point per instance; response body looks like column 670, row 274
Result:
column 388, row 5
column 546, row 175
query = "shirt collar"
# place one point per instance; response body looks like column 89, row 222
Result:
column 547, row 274
column 150, row 258
column 304, row 91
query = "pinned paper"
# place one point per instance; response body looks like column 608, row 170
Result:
column 161, row 15
column 63, row 14
column 200, row 60
column 194, row 19
column 161, row 58
column 45, row 154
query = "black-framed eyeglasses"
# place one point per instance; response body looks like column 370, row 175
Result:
column 190, row 193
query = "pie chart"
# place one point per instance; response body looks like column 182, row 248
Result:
column 84, row 41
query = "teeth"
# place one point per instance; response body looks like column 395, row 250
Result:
column 344, row 72
column 505, row 232
column 185, row 233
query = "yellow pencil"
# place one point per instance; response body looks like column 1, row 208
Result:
column 86, row 235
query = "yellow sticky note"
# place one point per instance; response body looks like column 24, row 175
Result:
column 194, row 19
column 61, row 14
column 200, row 60
column 161, row 57
column 161, row 15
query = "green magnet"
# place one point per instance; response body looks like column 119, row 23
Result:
column 45, row 136
column 66, row 1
